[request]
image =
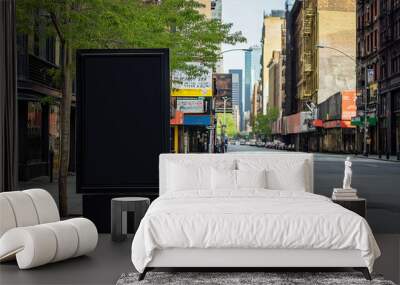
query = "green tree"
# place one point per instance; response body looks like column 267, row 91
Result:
column 263, row 123
column 230, row 130
column 175, row 24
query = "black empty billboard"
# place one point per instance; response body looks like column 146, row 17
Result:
column 123, row 119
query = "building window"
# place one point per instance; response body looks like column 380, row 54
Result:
column 382, row 105
column 50, row 50
column 396, row 101
column 395, row 64
column 34, row 131
column 383, row 68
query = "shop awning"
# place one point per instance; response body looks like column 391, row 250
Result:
column 196, row 120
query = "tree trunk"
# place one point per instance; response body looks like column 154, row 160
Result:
column 65, row 114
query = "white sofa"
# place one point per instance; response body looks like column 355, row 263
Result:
column 31, row 231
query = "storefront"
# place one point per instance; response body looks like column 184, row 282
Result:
column 196, row 133
column 191, row 133
column 338, row 137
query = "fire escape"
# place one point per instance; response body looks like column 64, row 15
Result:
column 308, row 50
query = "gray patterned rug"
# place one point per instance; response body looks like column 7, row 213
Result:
column 269, row 278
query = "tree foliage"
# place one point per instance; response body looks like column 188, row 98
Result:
column 175, row 24
column 85, row 24
column 230, row 129
column 263, row 123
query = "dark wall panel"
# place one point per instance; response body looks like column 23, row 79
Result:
column 123, row 119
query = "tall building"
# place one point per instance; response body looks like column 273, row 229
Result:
column 315, row 74
column 275, row 76
column 216, row 9
column 38, row 117
column 252, row 73
column 271, row 41
column 237, row 93
column 256, row 102
column 389, row 75
column 368, row 59
column 216, row 14
column 192, row 122
column 206, row 10
column 378, row 54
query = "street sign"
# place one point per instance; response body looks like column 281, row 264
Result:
column 190, row 105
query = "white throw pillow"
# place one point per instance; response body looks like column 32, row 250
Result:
column 251, row 178
column 223, row 179
column 282, row 174
column 287, row 176
column 188, row 177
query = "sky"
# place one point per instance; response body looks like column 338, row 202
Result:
column 246, row 16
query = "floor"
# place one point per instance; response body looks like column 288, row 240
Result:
column 111, row 259
column 104, row 266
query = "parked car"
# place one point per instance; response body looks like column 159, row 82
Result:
column 253, row 142
column 242, row 142
column 260, row 143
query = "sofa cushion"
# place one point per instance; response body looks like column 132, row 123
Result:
column 7, row 220
column 23, row 208
column 41, row 244
column 45, row 205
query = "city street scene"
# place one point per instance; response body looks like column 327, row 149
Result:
column 258, row 136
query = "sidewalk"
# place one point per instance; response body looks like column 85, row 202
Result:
column 392, row 158
column 74, row 200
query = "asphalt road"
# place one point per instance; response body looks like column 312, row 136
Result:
column 377, row 181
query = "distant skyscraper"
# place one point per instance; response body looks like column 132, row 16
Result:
column 216, row 9
column 252, row 65
column 272, row 41
column 237, row 94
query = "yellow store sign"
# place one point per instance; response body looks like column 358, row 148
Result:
column 195, row 92
column 185, row 86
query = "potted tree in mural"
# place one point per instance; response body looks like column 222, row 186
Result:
column 174, row 24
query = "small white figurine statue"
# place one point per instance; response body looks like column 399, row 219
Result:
column 347, row 174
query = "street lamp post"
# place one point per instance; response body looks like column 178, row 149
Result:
column 235, row 49
column 225, row 98
column 365, row 152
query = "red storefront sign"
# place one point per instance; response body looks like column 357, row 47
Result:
column 337, row 124
column 318, row 123
column 178, row 119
